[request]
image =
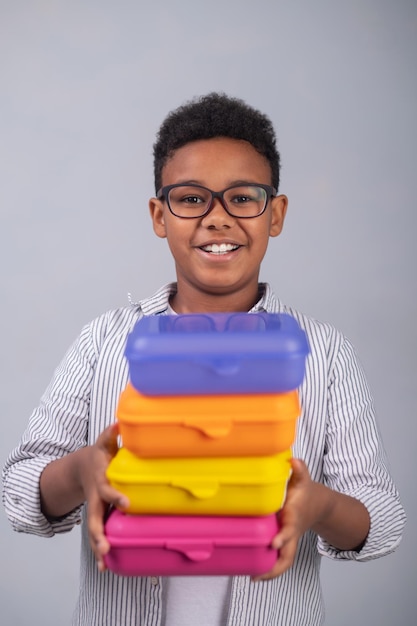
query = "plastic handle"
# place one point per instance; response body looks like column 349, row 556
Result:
column 196, row 552
column 213, row 429
column 198, row 490
column 223, row 367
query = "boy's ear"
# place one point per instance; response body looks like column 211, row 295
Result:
column 156, row 210
column 279, row 206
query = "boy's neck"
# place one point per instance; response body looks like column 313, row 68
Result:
column 182, row 302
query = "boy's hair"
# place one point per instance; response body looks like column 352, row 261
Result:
column 210, row 116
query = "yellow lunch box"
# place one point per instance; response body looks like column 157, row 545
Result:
column 201, row 486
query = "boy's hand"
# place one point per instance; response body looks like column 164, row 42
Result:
column 340, row 519
column 295, row 518
column 79, row 477
column 99, row 493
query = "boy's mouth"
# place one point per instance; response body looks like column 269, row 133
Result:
column 222, row 248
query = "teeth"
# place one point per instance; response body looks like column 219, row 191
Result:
column 220, row 249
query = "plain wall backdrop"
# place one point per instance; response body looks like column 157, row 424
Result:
column 84, row 87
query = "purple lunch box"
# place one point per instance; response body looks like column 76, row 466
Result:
column 216, row 353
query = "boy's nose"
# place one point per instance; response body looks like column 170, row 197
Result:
column 217, row 215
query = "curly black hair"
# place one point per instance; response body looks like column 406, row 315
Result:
column 215, row 115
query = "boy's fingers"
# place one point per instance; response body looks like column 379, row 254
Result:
column 100, row 547
column 95, row 518
column 283, row 563
column 113, row 497
column 98, row 541
column 100, row 494
column 285, row 535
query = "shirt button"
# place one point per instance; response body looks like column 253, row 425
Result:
column 154, row 580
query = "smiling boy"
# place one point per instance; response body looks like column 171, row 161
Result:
column 216, row 202
column 217, row 256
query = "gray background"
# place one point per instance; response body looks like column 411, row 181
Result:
column 84, row 87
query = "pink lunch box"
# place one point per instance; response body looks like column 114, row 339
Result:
column 147, row 545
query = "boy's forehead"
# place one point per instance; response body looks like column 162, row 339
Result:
column 200, row 157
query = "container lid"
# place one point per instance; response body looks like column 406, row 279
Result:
column 196, row 537
column 214, row 415
column 156, row 336
column 202, row 477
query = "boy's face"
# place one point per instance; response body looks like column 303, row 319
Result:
column 202, row 272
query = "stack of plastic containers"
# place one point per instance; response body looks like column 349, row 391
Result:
column 207, row 422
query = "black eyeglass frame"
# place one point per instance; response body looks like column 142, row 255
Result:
column 164, row 193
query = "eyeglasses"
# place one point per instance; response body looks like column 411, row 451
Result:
column 190, row 201
column 205, row 323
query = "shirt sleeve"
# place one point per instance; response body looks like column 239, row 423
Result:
column 355, row 461
column 58, row 426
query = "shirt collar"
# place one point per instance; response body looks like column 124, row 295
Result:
column 158, row 303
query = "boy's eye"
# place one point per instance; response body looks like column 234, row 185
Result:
column 188, row 196
column 245, row 194
column 191, row 199
column 241, row 199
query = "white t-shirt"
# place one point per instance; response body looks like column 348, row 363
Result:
column 192, row 600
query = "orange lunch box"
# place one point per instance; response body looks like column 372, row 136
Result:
column 210, row 425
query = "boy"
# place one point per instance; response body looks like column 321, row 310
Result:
column 216, row 180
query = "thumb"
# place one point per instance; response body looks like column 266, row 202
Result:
column 299, row 471
column 108, row 439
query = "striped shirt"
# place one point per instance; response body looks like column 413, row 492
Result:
column 337, row 437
